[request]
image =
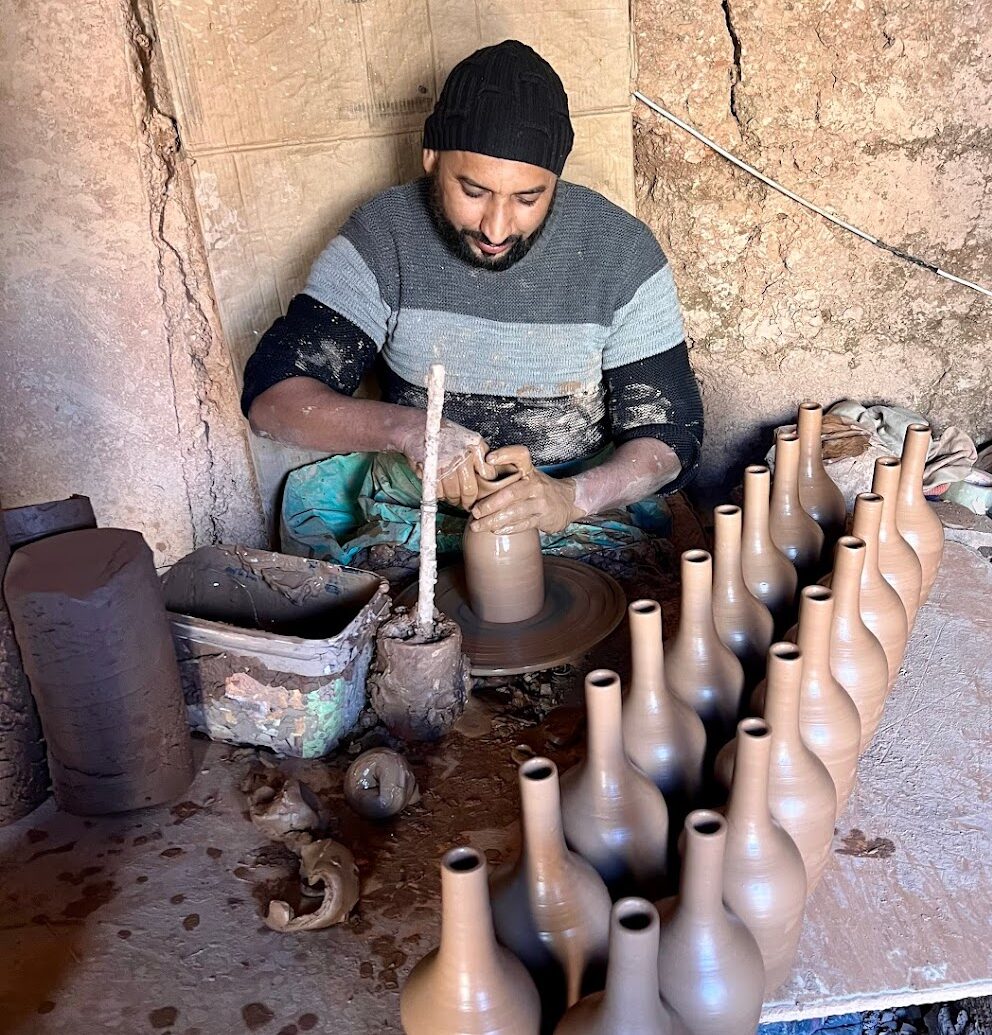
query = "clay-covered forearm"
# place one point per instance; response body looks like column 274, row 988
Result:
column 635, row 470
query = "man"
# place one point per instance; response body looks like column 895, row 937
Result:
column 553, row 311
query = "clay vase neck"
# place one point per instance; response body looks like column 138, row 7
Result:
column 792, row 530
column 662, row 735
column 857, row 659
column 709, row 965
column 742, row 621
column 699, row 668
column 819, row 495
column 917, row 522
column 631, row 1002
column 898, row 563
column 828, row 718
column 764, row 876
column 613, row 815
column 801, row 792
column 504, row 575
column 469, row 983
column 768, row 573
column 880, row 605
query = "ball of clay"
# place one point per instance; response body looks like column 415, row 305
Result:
column 380, row 784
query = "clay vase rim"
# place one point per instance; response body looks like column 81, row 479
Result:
column 644, row 606
column 537, row 769
column 728, row 509
column 602, row 679
column 787, row 436
column 811, row 406
column 637, row 916
column 463, row 859
column 888, row 461
column 696, row 556
column 758, row 469
column 786, row 651
column 920, row 425
column 851, row 542
column 706, row 823
column 754, row 727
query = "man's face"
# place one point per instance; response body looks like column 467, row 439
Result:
column 489, row 210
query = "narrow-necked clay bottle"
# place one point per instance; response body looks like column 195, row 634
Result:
column 663, row 735
column 504, row 574
column 792, row 530
column 920, row 526
column 551, row 909
column 764, row 879
column 469, row 983
column 768, row 573
column 631, row 1003
column 742, row 621
column 818, row 493
column 699, row 668
column 857, row 659
column 880, row 605
column 898, row 563
column 613, row 815
column 709, row 965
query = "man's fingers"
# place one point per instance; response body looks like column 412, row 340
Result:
column 506, row 497
column 520, row 515
column 517, row 456
column 481, row 464
column 468, row 487
column 449, row 490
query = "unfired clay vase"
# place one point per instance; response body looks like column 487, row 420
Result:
column 504, row 574
column 613, row 815
column 768, row 573
column 709, row 965
column 662, row 734
column 899, row 565
column 742, row 621
column 917, row 522
column 818, row 493
column 881, row 607
column 792, row 530
column 631, row 1003
column 469, row 985
column 857, row 659
column 551, row 908
column 699, row 668
column 764, row 879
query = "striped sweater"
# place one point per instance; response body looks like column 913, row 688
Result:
column 578, row 345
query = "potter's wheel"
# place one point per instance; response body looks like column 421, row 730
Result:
column 582, row 605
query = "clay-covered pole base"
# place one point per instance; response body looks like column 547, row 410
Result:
column 92, row 629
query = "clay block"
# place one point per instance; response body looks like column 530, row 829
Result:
column 27, row 524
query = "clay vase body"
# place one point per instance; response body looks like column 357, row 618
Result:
column 551, row 909
column 469, row 985
column 504, row 575
column 917, row 522
column 613, row 815
column 818, row 493
column 881, row 607
column 662, row 735
column 742, row 621
column 709, row 965
column 764, row 879
column 857, row 659
column 631, row 1003
column 792, row 530
column 899, row 565
column 768, row 573
column 699, row 668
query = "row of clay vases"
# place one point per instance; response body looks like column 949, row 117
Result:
column 917, row 522
column 898, row 563
column 792, row 530
column 768, row 573
column 818, row 493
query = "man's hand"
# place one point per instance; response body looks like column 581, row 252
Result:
column 535, row 500
column 461, row 461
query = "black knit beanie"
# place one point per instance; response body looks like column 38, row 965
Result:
column 505, row 101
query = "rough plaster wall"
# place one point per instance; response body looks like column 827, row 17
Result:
column 877, row 111
column 114, row 380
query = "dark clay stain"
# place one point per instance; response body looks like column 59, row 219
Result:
column 34, row 836
column 183, row 811
column 53, row 851
column 857, row 844
column 46, row 1006
column 78, row 878
column 256, row 1015
column 308, row 1021
column 172, row 853
column 163, row 1017
column 123, row 934
column 143, row 839
column 141, row 880
column 93, row 897
column 214, row 853
column 290, row 1029
column 177, row 899
column 191, row 922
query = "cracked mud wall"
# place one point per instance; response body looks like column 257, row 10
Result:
column 114, row 379
column 878, row 112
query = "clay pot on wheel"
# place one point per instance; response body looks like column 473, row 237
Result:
column 768, row 573
column 504, row 575
column 818, row 493
column 631, row 1003
column 792, row 530
column 917, row 522
column 469, row 984
column 613, row 815
column 551, row 908
column 899, row 565
column 709, row 965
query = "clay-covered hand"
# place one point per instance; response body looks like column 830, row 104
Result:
column 461, row 461
column 535, row 500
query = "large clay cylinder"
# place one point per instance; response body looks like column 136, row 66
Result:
column 504, row 575
column 917, row 522
column 792, row 530
column 23, row 772
column 742, row 621
column 768, row 573
column 818, row 493
column 469, row 983
column 93, row 633
column 899, row 565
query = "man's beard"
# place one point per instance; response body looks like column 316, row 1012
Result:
column 457, row 240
